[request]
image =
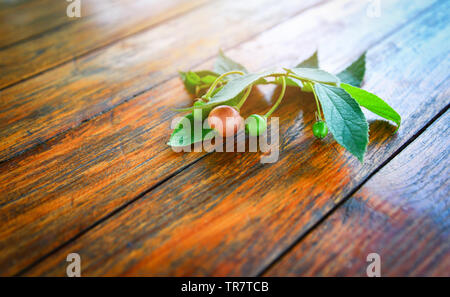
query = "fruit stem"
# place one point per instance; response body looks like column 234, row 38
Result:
column 274, row 107
column 244, row 98
column 319, row 113
column 216, row 82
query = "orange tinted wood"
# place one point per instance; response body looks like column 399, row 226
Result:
column 71, row 169
column 115, row 20
column 49, row 104
column 20, row 20
column 401, row 213
column 221, row 216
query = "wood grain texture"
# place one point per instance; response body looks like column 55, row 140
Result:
column 112, row 158
column 114, row 20
column 49, row 104
column 402, row 213
column 21, row 20
column 223, row 216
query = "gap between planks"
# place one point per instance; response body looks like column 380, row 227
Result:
column 140, row 195
column 251, row 37
column 352, row 192
column 55, row 28
column 105, row 218
column 88, row 52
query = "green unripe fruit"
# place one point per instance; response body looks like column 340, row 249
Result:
column 320, row 129
column 255, row 125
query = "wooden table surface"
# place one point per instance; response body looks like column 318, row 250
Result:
column 85, row 111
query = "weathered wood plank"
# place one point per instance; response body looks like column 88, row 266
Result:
column 401, row 213
column 71, row 169
column 20, row 20
column 223, row 216
column 49, row 104
column 114, row 21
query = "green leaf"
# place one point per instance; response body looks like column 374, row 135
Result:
column 373, row 103
column 230, row 102
column 311, row 62
column 209, row 79
column 207, row 73
column 224, row 64
column 344, row 118
column 290, row 82
column 184, row 135
column 235, row 86
column 192, row 79
column 316, row 75
column 293, row 82
column 354, row 74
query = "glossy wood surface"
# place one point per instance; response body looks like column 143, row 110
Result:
column 101, row 23
column 406, row 221
column 85, row 166
column 42, row 107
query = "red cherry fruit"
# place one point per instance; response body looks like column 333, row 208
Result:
column 226, row 120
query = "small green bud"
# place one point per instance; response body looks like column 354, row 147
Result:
column 320, row 129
